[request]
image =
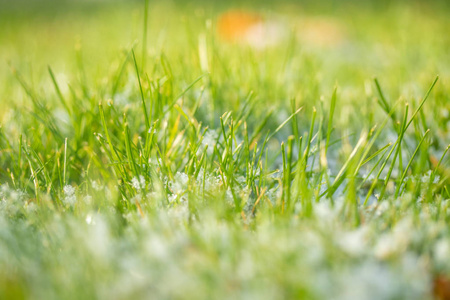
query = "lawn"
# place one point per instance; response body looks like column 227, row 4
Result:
column 224, row 150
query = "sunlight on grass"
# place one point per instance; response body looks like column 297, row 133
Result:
column 196, row 150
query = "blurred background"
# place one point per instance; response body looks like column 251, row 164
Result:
column 307, row 46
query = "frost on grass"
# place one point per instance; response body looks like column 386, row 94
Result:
column 138, row 184
column 12, row 201
column 179, row 183
column 69, row 195
column 209, row 140
column 150, row 251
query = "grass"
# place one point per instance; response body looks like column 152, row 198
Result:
column 142, row 156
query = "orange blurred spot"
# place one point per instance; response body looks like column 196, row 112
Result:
column 441, row 288
column 234, row 25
